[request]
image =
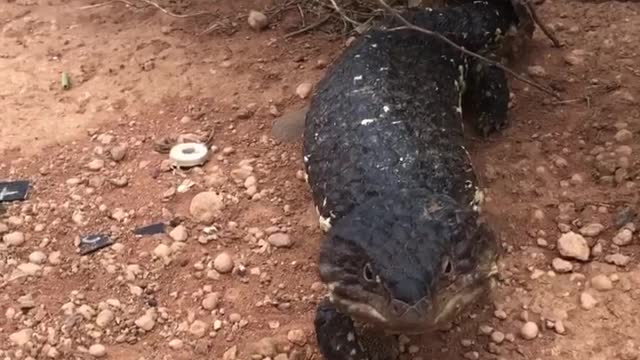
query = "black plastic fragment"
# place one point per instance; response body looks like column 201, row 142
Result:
column 157, row 228
column 14, row 190
column 94, row 242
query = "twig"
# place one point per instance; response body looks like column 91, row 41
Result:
column 545, row 29
column 149, row 2
column 410, row 26
column 216, row 25
column 94, row 6
column 302, row 17
column 343, row 14
column 586, row 99
column 309, row 27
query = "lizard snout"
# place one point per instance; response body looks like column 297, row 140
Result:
column 409, row 312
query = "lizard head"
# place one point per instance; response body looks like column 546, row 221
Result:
column 407, row 262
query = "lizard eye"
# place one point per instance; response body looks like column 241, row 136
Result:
column 367, row 273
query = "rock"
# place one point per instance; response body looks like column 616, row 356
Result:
column 537, row 71
column 97, row 350
column 304, row 90
column 55, row 258
column 162, row 251
column 623, row 216
column 118, row 152
column 573, row 246
column 20, row 338
column 500, row 314
column 618, row 259
column 176, row 344
column 37, row 257
column 95, row 165
column 561, row 265
column 280, row 240
column 223, row 263
column 26, row 302
column 104, row 318
column 145, row 322
column 179, row 233
column 257, row 20
column 29, row 269
column 211, row 301
column 587, row 301
column 231, row 353
column 265, row 347
column 206, row 207
column 529, row 330
column 623, row 237
column 497, row 337
column 575, row 57
column 623, row 136
column 297, row 337
column 198, row 328
column 15, row 238
column 591, row 230
column 601, row 283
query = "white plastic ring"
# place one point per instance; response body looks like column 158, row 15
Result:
column 189, row 154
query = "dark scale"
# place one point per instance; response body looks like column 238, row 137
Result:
column 392, row 181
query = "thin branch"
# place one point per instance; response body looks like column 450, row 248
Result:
column 410, row 26
column 343, row 14
column 94, row 6
column 149, row 2
column 545, row 29
column 309, row 27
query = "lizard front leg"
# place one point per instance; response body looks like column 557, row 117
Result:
column 488, row 93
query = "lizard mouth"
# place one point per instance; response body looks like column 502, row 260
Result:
column 427, row 315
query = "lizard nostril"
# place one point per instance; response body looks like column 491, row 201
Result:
column 399, row 307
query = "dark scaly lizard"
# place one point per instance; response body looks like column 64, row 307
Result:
column 394, row 186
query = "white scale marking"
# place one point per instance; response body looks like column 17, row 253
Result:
column 4, row 193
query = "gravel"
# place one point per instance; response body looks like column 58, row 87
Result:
column 223, row 263
column 206, row 207
column 529, row 330
column 97, row 350
column 573, row 246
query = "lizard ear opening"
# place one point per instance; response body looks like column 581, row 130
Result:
column 367, row 273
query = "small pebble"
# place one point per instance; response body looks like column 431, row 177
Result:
column 587, row 301
column 223, row 263
column 15, row 238
column 591, row 230
column 280, row 240
column 601, row 283
column 179, row 233
column 304, row 90
column 497, row 337
column 623, row 237
column 529, row 330
column 176, row 344
column 97, row 350
column 561, row 265
column 572, row 245
column 257, row 20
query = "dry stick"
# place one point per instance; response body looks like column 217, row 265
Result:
column 343, row 14
column 410, row 26
column 149, row 2
column 307, row 28
column 545, row 29
column 104, row 4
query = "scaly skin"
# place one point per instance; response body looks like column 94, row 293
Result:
column 393, row 184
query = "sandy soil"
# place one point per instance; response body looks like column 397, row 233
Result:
column 139, row 76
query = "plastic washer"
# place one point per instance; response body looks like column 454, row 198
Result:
column 189, row 154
